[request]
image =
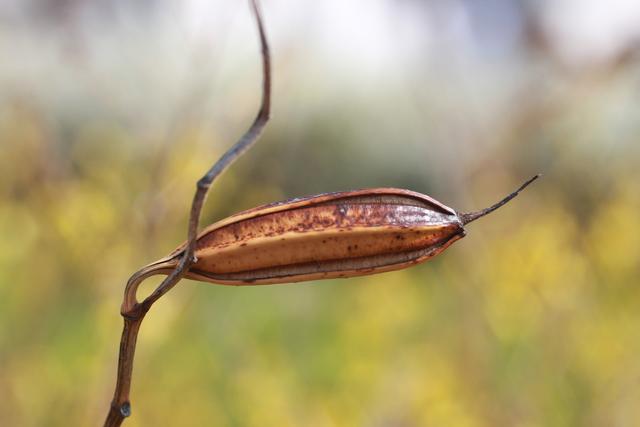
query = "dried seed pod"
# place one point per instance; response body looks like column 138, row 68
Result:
column 330, row 235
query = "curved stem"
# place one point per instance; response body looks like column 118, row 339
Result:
column 134, row 311
column 466, row 218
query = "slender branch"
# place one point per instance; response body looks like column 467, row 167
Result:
column 134, row 311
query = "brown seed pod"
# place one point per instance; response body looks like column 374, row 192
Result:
column 331, row 235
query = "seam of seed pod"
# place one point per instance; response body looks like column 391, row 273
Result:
column 318, row 217
column 388, row 199
column 322, row 216
column 394, row 195
column 334, row 269
column 320, row 198
column 329, row 198
column 328, row 233
column 317, row 248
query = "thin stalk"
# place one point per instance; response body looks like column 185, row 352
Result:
column 133, row 311
column 468, row 217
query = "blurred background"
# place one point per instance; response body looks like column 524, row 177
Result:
column 110, row 111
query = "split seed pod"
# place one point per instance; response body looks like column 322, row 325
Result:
column 331, row 235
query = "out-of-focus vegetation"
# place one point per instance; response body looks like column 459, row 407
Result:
column 108, row 117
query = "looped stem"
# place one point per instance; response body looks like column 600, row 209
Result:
column 133, row 313
column 130, row 301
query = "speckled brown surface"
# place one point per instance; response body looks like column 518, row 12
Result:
column 326, row 236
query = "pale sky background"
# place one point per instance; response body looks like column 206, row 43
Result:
column 352, row 40
column 458, row 60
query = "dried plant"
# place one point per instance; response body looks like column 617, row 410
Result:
column 326, row 236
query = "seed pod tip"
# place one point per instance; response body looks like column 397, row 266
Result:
column 466, row 218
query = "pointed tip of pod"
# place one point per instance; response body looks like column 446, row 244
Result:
column 466, row 218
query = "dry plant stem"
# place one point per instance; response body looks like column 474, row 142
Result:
column 134, row 311
column 472, row 216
